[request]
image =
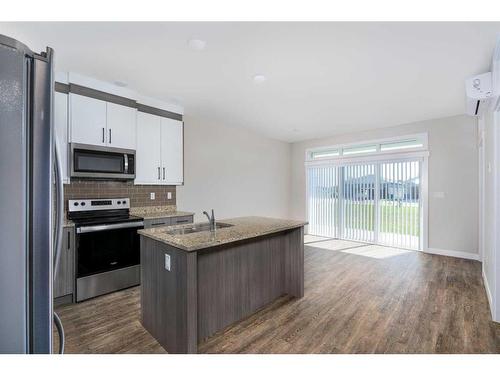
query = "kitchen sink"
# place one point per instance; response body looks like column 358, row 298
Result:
column 195, row 228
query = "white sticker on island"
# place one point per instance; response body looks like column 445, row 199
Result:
column 167, row 262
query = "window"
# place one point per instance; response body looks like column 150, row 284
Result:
column 401, row 145
column 392, row 145
column 359, row 150
column 325, row 154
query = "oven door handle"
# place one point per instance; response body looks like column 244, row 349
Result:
column 100, row 228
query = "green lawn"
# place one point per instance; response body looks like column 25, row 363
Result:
column 394, row 218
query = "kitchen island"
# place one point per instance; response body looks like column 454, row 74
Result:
column 195, row 282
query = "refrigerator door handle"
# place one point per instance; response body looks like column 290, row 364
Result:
column 58, row 233
column 59, row 209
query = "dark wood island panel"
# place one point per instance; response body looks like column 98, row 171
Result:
column 208, row 289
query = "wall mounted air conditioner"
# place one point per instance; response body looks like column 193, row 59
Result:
column 483, row 90
column 479, row 93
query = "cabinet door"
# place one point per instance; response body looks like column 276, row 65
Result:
column 172, row 151
column 148, row 155
column 61, row 130
column 88, row 120
column 181, row 220
column 157, row 222
column 65, row 278
column 121, row 126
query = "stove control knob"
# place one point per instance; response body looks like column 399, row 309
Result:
column 124, row 202
column 119, row 202
column 75, row 204
column 83, row 203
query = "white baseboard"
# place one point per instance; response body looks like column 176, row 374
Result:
column 488, row 294
column 452, row 253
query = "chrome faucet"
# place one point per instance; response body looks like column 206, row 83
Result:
column 211, row 220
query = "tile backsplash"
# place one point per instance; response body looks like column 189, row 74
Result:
column 139, row 194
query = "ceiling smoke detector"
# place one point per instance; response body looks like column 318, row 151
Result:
column 259, row 78
column 197, row 44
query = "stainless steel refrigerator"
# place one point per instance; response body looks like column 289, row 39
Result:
column 30, row 199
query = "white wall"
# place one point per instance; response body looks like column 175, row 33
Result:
column 453, row 170
column 233, row 170
column 491, row 260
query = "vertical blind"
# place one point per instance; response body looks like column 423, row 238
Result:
column 358, row 202
column 369, row 202
column 323, row 198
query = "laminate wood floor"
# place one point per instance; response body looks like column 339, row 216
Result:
column 358, row 299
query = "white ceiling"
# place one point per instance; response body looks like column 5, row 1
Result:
column 322, row 78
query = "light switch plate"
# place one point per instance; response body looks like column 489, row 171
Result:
column 152, row 196
column 167, row 262
column 169, row 195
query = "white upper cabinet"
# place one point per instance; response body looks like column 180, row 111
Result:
column 88, row 120
column 121, row 126
column 172, row 151
column 158, row 141
column 100, row 123
column 61, row 131
column 148, row 153
column 159, row 155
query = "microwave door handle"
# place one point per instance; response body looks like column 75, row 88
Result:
column 125, row 162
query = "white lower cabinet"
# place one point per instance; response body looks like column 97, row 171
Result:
column 159, row 153
column 61, row 131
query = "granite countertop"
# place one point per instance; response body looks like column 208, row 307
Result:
column 243, row 228
column 154, row 212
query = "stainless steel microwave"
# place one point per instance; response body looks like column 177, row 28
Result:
column 99, row 162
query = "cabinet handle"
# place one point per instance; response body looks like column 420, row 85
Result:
column 102, row 135
column 109, row 135
column 69, row 240
column 183, row 221
column 155, row 224
column 163, row 172
column 158, row 173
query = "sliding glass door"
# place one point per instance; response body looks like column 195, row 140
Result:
column 376, row 202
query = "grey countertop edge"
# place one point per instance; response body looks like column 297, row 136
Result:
column 143, row 232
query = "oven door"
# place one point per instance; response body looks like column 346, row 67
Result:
column 89, row 161
column 103, row 248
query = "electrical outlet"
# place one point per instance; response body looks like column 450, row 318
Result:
column 152, row 196
column 169, row 195
column 167, row 262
